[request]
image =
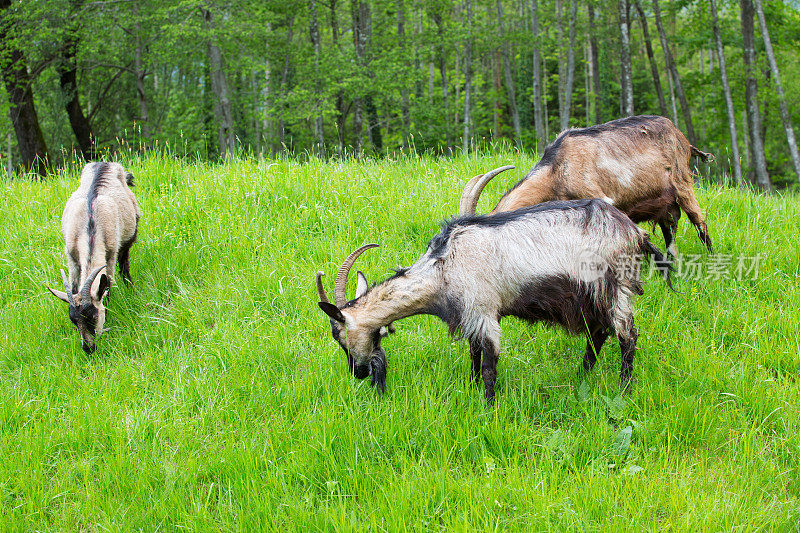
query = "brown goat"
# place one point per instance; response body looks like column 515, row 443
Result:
column 639, row 164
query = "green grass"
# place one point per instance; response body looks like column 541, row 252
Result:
column 220, row 401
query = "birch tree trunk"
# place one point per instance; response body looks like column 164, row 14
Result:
column 341, row 115
column 662, row 104
column 442, row 62
column 405, row 104
column 359, row 42
column 265, row 141
column 758, row 158
column 319, row 132
column 625, row 58
column 219, row 85
column 140, row 73
column 538, row 115
column 512, row 96
column 593, row 51
column 676, row 80
column 737, row 165
column 284, row 80
column 465, row 137
column 785, row 117
column 567, row 70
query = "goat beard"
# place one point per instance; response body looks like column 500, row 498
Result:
column 377, row 369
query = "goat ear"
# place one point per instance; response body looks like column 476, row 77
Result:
column 332, row 311
column 361, row 284
column 59, row 294
column 103, row 286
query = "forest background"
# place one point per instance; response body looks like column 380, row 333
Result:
column 209, row 79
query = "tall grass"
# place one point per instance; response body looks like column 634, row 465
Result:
column 220, row 401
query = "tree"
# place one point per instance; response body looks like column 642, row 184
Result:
column 319, row 133
column 776, row 75
column 625, row 59
column 219, row 85
column 757, row 155
column 509, row 79
column 662, row 104
column 538, row 114
column 465, row 138
column 30, row 140
column 566, row 71
column 737, row 170
column 673, row 71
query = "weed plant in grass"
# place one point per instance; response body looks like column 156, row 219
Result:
column 220, row 401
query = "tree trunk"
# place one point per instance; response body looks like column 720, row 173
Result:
column 593, row 51
column 265, row 141
column 512, row 96
column 465, row 137
column 566, row 70
column 219, row 85
column 676, row 80
column 140, row 74
column 625, row 58
column 283, row 89
column 405, row 103
column 538, row 115
column 319, row 132
column 360, row 44
column 32, row 148
column 662, row 104
column 68, row 80
column 785, row 117
column 441, row 60
column 737, row 166
column 758, row 159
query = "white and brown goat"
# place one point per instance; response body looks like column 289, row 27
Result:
column 640, row 164
column 573, row 264
column 99, row 224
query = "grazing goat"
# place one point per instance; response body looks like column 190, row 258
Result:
column 639, row 164
column 99, row 224
column 574, row 263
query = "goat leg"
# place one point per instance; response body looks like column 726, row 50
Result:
column 627, row 345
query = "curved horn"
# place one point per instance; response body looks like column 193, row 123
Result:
column 67, row 288
column 87, row 286
column 323, row 296
column 465, row 194
column 469, row 200
column 340, row 288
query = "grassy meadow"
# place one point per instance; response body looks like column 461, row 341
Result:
column 220, row 401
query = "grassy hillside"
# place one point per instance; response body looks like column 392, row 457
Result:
column 219, row 399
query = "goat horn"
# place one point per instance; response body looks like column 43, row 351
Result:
column 323, row 296
column 340, row 288
column 87, row 287
column 470, row 196
column 67, row 288
column 466, row 193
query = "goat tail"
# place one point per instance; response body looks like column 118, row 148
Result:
column 706, row 157
column 663, row 264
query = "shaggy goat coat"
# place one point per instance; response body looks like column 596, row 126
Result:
column 574, row 264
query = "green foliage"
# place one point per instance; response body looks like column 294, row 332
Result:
column 220, row 401
column 277, row 90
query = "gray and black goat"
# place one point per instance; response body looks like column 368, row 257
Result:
column 99, row 223
column 571, row 263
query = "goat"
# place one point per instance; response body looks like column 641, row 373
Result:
column 640, row 164
column 571, row 263
column 99, row 223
